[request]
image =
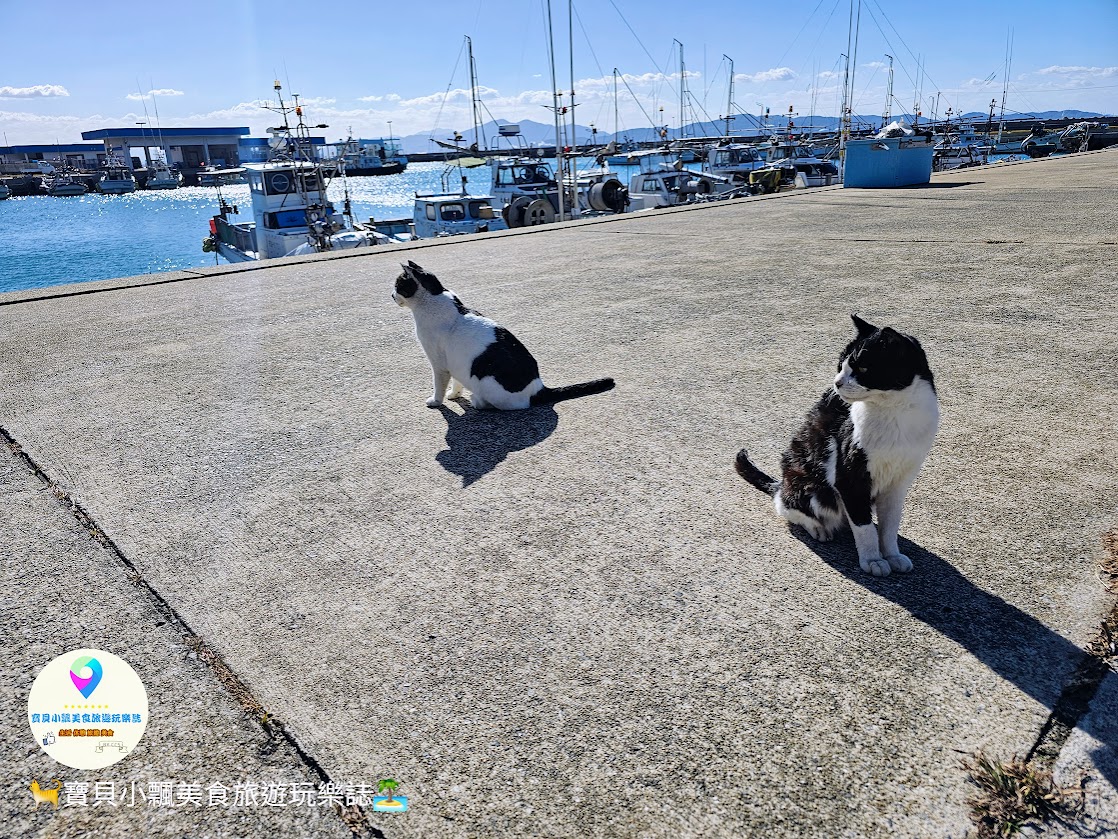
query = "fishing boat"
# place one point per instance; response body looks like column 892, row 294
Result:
column 65, row 184
column 117, row 178
column 1041, row 142
column 800, row 164
column 291, row 213
column 219, row 176
column 952, row 153
column 735, row 160
column 371, row 157
column 163, row 176
column 529, row 192
column 662, row 181
column 439, row 215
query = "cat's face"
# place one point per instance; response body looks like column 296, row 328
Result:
column 879, row 361
column 414, row 285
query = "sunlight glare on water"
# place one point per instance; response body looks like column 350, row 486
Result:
column 96, row 237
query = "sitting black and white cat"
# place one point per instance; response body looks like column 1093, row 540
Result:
column 467, row 349
column 860, row 448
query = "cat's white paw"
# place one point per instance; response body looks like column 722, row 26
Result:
column 878, row 567
column 434, row 402
column 899, row 562
column 454, row 391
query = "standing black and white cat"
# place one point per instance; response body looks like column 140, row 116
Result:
column 467, row 349
column 860, row 448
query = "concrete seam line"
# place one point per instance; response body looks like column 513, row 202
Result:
column 1076, row 697
column 353, row 816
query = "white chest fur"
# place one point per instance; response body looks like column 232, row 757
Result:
column 896, row 430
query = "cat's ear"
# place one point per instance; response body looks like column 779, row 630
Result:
column 865, row 329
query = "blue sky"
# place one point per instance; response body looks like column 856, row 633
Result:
column 362, row 65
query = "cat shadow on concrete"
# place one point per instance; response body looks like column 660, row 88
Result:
column 1009, row 641
column 478, row 441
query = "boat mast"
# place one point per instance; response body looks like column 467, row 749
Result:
column 730, row 96
column 854, row 61
column 474, row 105
column 616, row 128
column 888, row 95
column 555, row 107
column 1005, row 84
column 574, row 133
column 682, row 76
column 919, row 92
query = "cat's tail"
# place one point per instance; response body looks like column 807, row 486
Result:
column 551, row 395
column 755, row 476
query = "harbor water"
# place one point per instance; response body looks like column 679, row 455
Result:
column 48, row 240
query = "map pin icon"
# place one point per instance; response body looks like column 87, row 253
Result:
column 86, row 684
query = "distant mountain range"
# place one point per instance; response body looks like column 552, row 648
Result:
column 538, row 133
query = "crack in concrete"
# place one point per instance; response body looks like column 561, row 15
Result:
column 1080, row 690
column 274, row 730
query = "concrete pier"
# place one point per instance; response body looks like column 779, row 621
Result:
column 578, row 621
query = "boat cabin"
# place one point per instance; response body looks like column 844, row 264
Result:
column 449, row 215
column 736, row 160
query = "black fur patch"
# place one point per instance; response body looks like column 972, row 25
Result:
column 463, row 309
column 426, row 279
column 852, row 479
column 406, row 286
column 804, row 464
column 508, row 361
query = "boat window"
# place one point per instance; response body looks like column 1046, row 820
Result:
column 285, row 219
column 256, row 183
column 453, row 212
column 310, row 182
column 279, row 183
column 477, row 209
column 431, row 212
column 650, row 185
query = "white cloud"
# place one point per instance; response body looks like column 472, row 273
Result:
column 776, row 74
column 34, row 92
column 1091, row 72
column 139, row 97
